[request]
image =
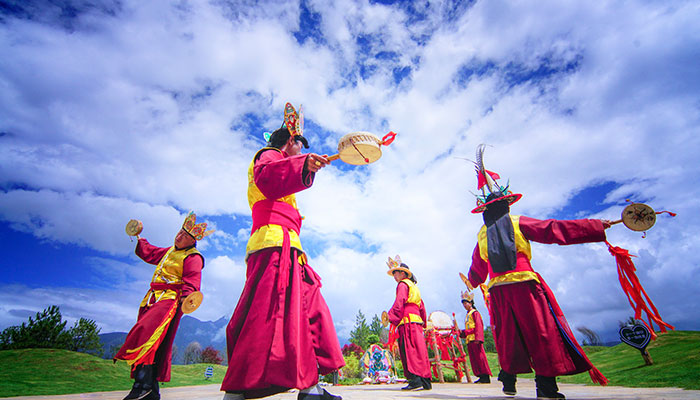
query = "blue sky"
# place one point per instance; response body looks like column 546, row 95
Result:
column 112, row 110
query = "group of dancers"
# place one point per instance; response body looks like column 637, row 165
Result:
column 281, row 295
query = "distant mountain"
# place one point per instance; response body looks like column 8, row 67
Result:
column 111, row 342
column 206, row 333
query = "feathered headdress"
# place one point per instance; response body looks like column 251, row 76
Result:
column 487, row 180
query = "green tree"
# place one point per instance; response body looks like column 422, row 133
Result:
column 590, row 338
column 489, row 344
column 361, row 331
column 372, row 338
column 85, row 337
column 47, row 330
column 376, row 326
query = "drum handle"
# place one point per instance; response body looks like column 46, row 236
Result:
column 334, row 157
column 655, row 212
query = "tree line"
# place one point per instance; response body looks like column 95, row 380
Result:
column 47, row 330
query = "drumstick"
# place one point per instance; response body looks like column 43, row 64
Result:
column 337, row 156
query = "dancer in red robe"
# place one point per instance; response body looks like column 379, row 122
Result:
column 530, row 328
column 408, row 314
column 148, row 346
column 474, row 336
column 281, row 333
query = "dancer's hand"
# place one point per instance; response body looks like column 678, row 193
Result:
column 314, row 162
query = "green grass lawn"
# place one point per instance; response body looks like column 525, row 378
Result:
column 676, row 357
column 49, row 371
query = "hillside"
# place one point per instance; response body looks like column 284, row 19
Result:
column 50, row 371
column 675, row 354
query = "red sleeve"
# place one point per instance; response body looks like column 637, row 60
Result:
column 423, row 314
column 192, row 274
column 479, row 270
column 277, row 175
column 479, row 327
column 562, row 232
column 396, row 312
column 150, row 253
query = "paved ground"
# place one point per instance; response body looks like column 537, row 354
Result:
column 444, row 391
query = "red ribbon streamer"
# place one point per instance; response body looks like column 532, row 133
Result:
column 388, row 138
column 633, row 290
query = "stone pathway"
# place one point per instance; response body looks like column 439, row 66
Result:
column 441, row 391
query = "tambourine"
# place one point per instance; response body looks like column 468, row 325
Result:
column 385, row 319
column 639, row 217
column 134, row 227
column 361, row 148
column 192, row 302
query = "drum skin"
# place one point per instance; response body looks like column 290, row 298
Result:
column 441, row 322
column 359, row 148
column 134, row 227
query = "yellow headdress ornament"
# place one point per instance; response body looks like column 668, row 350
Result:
column 466, row 296
column 396, row 264
column 198, row 231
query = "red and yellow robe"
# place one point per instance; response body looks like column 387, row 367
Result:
column 474, row 336
column 529, row 327
column 408, row 315
column 150, row 341
column 281, row 334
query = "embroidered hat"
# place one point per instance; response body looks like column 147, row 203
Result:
column 295, row 123
column 487, row 180
column 198, row 231
column 395, row 264
column 466, row 296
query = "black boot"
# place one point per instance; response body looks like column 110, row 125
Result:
column 145, row 383
column 155, row 393
column 414, row 383
column 508, row 381
column 324, row 396
column 547, row 388
column 136, row 388
column 427, row 385
column 485, row 378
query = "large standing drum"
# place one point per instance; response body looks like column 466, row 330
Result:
column 441, row 322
